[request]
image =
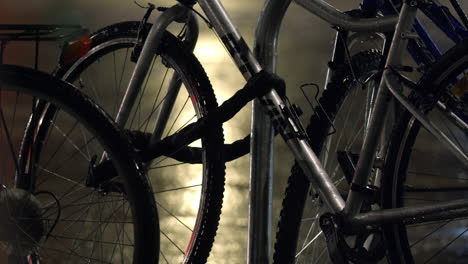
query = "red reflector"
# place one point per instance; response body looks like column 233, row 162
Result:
column 72, row 50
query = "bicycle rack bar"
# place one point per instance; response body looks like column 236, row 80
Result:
column 261, row 167
column 146, row 57
column 175, row 83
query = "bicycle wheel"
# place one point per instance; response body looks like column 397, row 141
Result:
column 189, row 195
column 299, row 238
column 49, row 214
column 422, row 170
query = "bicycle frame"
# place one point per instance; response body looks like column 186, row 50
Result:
column 276, row 106
column 278, row 109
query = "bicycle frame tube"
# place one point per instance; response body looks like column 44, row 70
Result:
column 367, row 153
column 414, row 214
column 346, row 22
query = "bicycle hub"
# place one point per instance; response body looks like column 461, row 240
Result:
column 21, row 224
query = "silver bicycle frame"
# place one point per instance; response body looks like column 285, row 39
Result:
column 249, row 65
column 287, row 127
column 277, row 110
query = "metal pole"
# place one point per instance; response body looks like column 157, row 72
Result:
column 262, row 135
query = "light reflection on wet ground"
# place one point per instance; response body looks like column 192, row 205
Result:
column 305, row 45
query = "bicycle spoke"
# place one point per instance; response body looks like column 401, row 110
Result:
column 313, row 226
column 446, row 246
column 67, row 138
column 178, row 188
column 166, row 166
column 172, row 242
column 119, row 234
column 164, row 257
column 9, row 140
column 61, row 177
column 310, row 242
column 142, row 94
column 176, row 218
column 122, row 73
column 177, row 118
column 154, row 107
column 319, row 257
column 90, row 241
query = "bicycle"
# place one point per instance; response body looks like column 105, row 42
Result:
column 140, row 41
column 48, row 211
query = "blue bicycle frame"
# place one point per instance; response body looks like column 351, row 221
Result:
column 439, row 14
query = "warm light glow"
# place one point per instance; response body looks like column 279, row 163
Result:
column 210, row 51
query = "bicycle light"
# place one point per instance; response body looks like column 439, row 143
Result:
column 74, row 49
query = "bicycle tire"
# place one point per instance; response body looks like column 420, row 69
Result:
column 414, row 162
column 333, row 101
column 49, row 189
column 119, row 39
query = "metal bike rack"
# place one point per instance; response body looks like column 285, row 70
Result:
column 262, row 136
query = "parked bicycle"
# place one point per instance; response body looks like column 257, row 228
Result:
column 358, row 206
column 48, row 211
